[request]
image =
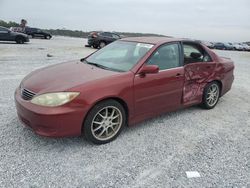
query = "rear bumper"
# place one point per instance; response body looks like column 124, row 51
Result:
column 51, row 122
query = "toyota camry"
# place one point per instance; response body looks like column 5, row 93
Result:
column 127, row 81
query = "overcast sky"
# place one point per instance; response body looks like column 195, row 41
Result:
column 215, row 20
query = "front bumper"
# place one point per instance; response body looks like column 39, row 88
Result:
column 50, row 121
column 92, row 41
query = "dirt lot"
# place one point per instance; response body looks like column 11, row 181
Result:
column 155, row 153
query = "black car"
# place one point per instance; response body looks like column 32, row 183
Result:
column 35, row 32
column 223, row 46
column 101, row 39
column 8, row 35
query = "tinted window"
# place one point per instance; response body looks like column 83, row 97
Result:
column 106, row 34
column 3, row 29
column 166, row 57
column 115, row 36
column 195, row 53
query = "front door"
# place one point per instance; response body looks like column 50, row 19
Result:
column 199, row 68
column 162, row 91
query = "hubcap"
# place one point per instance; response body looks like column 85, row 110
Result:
column 106, row 123
column 102, row 44
column 212, row 95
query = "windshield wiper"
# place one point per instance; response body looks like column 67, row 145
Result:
column 100, row 66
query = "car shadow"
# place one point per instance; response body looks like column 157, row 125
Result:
column 12, row 43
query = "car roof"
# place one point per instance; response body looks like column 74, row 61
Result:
column 155, row 40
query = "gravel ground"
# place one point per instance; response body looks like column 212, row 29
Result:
column 155, row 153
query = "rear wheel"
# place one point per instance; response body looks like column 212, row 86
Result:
column 102, row 44
column 104, row 122
column 211, row 95
column 20, row 40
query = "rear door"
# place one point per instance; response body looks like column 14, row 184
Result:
column 162, row 91
column 107, row 37
column 198, row 71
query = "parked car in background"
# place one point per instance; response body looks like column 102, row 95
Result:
column 8, row 35
column 245, row 47
column 208, row 44
column 37, row 33
column 223, row 46
column 127, row 81
column 101, row 39
column 238, row 46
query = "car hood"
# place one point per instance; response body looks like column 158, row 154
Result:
column 63, row 77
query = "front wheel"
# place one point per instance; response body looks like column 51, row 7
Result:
column 104, row 122
column 211, row 95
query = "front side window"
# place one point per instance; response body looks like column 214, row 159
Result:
column 119, row 55
column 166, row 57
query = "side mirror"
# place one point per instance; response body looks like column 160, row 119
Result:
column 149, row 69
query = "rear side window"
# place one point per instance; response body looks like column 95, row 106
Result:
column 106, row 34
column 166, row 57
column 115, row 36
column 194, row 53
column 3, row 29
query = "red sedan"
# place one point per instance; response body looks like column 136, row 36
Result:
column 127, row 81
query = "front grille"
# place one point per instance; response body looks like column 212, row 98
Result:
column 27, row 94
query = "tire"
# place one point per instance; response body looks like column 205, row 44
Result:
column 211, row 95
column 95, row 46
column 47, row 37
column 102, row 44
column 104, row 122
column 20, row 40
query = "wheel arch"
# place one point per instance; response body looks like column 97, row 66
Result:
column 220, row 85
column 118, row 99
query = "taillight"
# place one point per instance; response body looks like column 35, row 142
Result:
column 93, row 35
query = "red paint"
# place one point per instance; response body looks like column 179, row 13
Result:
column 145, row 96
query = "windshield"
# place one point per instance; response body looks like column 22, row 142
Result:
column 119, row 55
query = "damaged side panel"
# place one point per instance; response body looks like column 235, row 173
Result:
column 197, row 75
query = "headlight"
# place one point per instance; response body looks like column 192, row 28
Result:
column 54, row 99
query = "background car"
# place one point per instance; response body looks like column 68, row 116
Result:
column 101, row 39
column 208, row 44
column 8, row 35
column 223, row 46
column 238, row 46
column 245, row 47
column 37, row 33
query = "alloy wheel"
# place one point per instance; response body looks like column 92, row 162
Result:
column 106, row 123
column 212, row 95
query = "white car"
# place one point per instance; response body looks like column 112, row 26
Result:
column 245, row 47
column 238, row 46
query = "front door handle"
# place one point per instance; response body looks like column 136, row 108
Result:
column 178, row 75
